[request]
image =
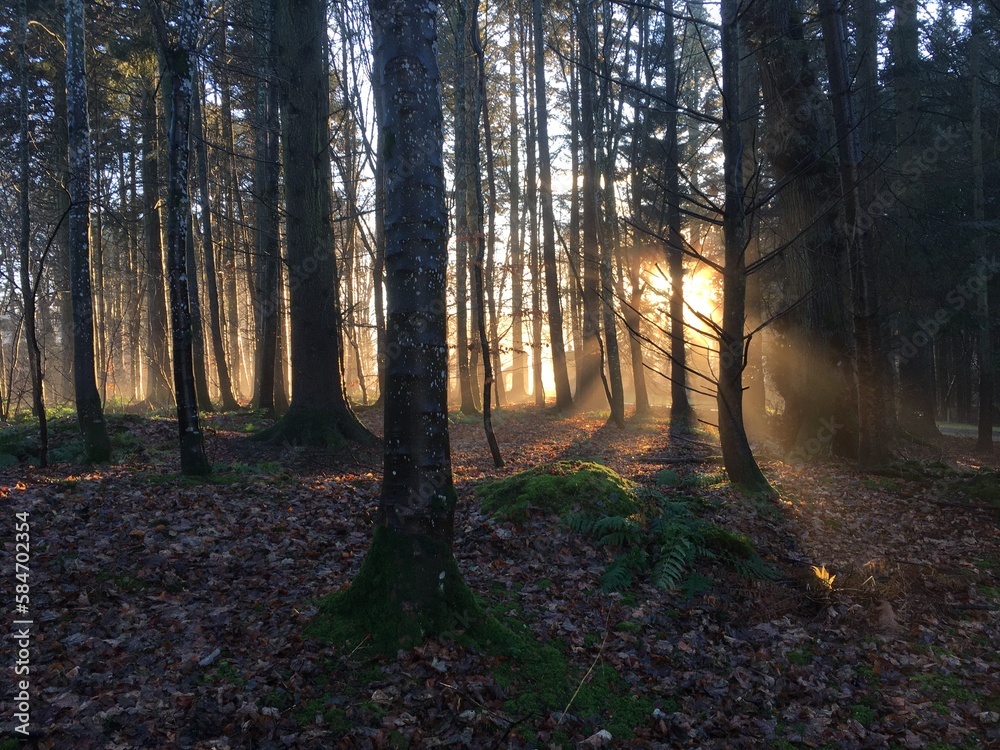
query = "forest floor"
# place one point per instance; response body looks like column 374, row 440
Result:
column 171, row 613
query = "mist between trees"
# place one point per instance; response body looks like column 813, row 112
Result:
column 771, row 217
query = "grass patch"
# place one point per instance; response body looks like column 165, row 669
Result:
column 864, row 715
column 944, row 687
column 800, row 657
column 125, row 582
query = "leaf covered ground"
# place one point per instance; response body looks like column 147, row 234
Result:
column 175, row 614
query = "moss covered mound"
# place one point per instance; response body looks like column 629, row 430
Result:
column 562, row 487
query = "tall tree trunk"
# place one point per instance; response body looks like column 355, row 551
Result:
column 229, row 402
column 573, row 251
column 179, row 58
column 588, row 392
column 318, row 413
column 916, row 374
column 465, row 172
column 409, row 567
column 204, row 398
column 491, row 233
column 564, row 395
column 519, row 359
column 378, row 268
column 157, row 390
column 633, row 310
column 231, row 315
column 531, row 199
column 476, row 216
column 266, row 211
column 27, row 285
column 984, row 441
column 812, row 374
column 89, row 411
column 64, row 297
column 873, row 435
column 739, row 459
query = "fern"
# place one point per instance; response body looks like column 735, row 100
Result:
column 608, row 531
column 673, row 563
column 668, row 547
column 619, row 573
column 695, row 584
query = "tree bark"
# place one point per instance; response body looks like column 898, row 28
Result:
column 27, row 285
column 588, row 391
column 229, row 402
column 984, row 439
column 89, row 411
column 873, row 434
column 266, row 211
column 180, row 61
column 739, row 459
column 157, row 390
column 564, row 395
column 409, row 584
column 318, row 413
column 519, row 359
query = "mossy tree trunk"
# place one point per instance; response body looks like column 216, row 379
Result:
column 409, row 584
column 318, row 413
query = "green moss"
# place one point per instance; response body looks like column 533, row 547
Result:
column 729, row 543
column 334, row 719
column 864, row 715
column 562, row 487
column 409, row 587
column 984, row 487
column 668, row 478
column 800, row 657
column 947, row 687
column 607, row 698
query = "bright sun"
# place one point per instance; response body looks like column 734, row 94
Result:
column 701, row 293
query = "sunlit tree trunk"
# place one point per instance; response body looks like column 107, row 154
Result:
column 632, row 312
column 89, row 411
column 318, row 413
column 739, row 459
column 564, row 396
column 208, row 252
column 519, row 360
column 588, row 391
column 204, row 398
column 531, row 199
column 157, row 390
column 461, row 14
column 64, row 296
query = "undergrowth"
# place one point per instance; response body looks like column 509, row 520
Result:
column 654, row 535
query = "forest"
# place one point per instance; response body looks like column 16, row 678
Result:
column 524, row 373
